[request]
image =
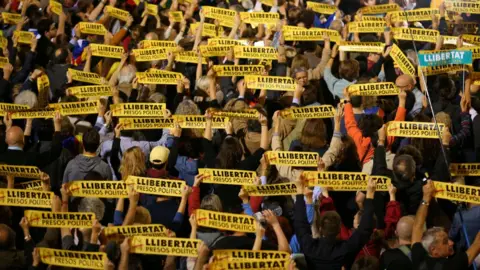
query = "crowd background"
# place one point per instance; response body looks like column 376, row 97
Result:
column 404, row 228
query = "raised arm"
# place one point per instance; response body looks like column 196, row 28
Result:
column 419, row 223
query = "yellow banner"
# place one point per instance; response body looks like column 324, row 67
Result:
column 56, row 7
column 457, row 192
column 247, row 113
column 402, row 61
column 218, row 50
column 372, row 19
column 159, row 77
column 271, row 190
column 291, row 158
column 138, row 109
column 373, row 89
column 428, row 71
column 228, row 177
column 155, row 186
column 253, row 52
column 418, row 34
column 152, row 9
column 415, row 15
column 414, row 129
column 33, row 114
column 177, row 16
column 267, row 2
column 465, row 169
column 380, row 9
column 30, row 185
column 90, row 91
column 345, row 181
column 73, row 259
column 199, row 121
column 99, row 189
column 374, row 47
column 145, row 44
column 47, row 219
column 3, row 42
column 24, row 37
column 118, row 13
column 136, row 230
column 471, row 39
column 225, row 221
column 10, row 107
column 77, row 108
column 238, row 70
column 151, row 54
column 270, row 83
column 209, row 29
column 366, row 27
column 260, row 17
column 308, row 112
column 475, row 51
column 43, row 86
column 11, row 18
column 147, row 123
column 164, row 246
column 249, row 255
column 321, row 8
column 189, row 57
column 250, row 265
column 26, row 198
column 472, row 7
column 226, row 17
column 87, row 77
column 92, row 28
column 107, row 51
column 20, row 171
column 226, row 42
column 312, row 34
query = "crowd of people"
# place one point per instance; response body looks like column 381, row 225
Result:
column 404, row 226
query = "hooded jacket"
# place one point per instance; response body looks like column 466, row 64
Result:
column 81, row 165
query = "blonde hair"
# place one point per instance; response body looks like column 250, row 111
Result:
column 133, row 163
column 444, row 118
column 211, row 202
column 142, row 216
column 202, row 83
column 188, row 107
column 300, row 61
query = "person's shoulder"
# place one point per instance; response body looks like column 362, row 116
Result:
column 457, row 261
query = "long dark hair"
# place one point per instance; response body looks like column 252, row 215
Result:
column 230, row 154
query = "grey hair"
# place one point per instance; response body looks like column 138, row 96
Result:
column 157, row 98
column 430, row 237
column 94, row 205
column 26, row 97
column 127, row 73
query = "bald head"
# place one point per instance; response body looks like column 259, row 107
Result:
column 405, row 227
column 15, row 137
column 405, row 82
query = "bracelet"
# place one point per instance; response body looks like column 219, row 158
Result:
column 27, row 238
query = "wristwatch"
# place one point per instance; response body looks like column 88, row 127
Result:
column 425, row 202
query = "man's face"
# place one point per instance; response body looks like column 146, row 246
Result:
column 443, row 247
column 405, row 86
column 302, row 78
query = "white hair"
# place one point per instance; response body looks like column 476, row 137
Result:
column 127, row 73
column 26, row 97
column 94, row 205
column 202, row 83
column 430, row 237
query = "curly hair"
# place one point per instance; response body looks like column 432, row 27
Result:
column 133, row 163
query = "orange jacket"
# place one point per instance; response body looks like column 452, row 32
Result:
column 361, row 142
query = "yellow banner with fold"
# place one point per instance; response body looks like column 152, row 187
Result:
column 107, row 51
column 138, row 109
column 322, row 8
column 214, row 50
column 345, row 181
column 34, row 114
column 225, row 221
column 291, row 158
column 415, row 15
column 118, row 13
column 312, row 34
column 414, row 129
column 308, row 112
column 176, row 16
column 20, row 171
column 11, row 18
column 260, row 17
column 402, row 61
column 24, row 37
column 73, row 259
column 252, row 52
column 373, row 47
column 226, row 17
column 247, row 113
column 92, row 28
column 159, row 77
column 465, row 169
column 47, row 219
column 436, row 70
column 145, row 44
column 226, row 42
column 137, row 230
column 228, row 177
column 475, row 51
column 373, row 89
column 208, row 30
column 26, row 198
column 91, row 91
column 151, row 245
column 147, row 123
column 152, row 9
column 199, row 121
column 366, row 27
column 156, row 186
column 30, row 185
column 56, row 7
column 10, row 108
column 418, row 34
column 87, row 77
column 238, row 70
column 99, row 189
column 43, row 86
column 457, row 192
column 271, row 190
column 150, row 54
column 78, row 108
column 380, row 9
column 270, row 83
column 471, row 39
